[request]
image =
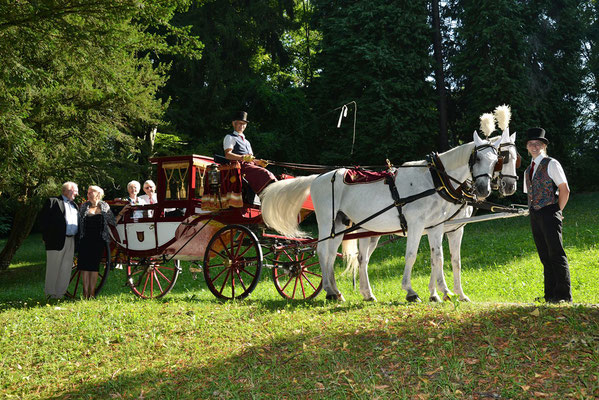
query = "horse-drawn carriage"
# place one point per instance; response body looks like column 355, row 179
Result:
column 205, row 216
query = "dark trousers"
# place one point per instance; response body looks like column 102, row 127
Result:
column 257, row 177
column 546, row 225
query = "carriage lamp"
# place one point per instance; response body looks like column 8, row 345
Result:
column 214, row 178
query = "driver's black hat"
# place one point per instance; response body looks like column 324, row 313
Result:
column 241, row 116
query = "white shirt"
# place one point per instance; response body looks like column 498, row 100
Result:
column 146, row 199
column 229, row 141
column 71, row 216
column 554, row 170
column 138, row 202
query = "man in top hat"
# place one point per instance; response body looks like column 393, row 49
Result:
column 238, row 148
column 548, row 192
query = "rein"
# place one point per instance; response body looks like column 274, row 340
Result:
column 442, row 184
column 319, row 168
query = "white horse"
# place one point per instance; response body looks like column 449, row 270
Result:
column 506, row 184
column 334, row 202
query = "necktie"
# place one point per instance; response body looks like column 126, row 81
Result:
column 530, row 171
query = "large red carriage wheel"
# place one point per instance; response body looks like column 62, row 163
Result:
column 233, row 262
column 297, row 275
column 76, row 284
column 151, row 278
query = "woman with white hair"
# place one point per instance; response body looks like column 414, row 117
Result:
column 133, row 199
column 94, row 234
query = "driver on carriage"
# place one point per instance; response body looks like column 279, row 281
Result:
column 238, row 148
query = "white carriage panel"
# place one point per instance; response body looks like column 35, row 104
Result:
column 166, row 231
column 141, row 235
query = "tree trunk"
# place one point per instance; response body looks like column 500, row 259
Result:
column 21, row 227
column 443, row 142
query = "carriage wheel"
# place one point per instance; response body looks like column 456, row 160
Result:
column 233, row 262
column 76, row 284
column 151, row 278
column 300, row 278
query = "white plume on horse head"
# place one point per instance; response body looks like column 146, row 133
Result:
column 487, row 124
column 503, row 114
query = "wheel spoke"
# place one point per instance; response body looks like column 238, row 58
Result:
column 309, row 281
column 218, row 253
column 248, row 272
column 245, row 251
column 240, row 243
column 220, row 273
column 225, row 248
column 307, row 272
column 289, row 279
column 240, row 281
column 225, row 281
column 162, row 275
column 157, row 280
column 294, row 288
column 145, row 283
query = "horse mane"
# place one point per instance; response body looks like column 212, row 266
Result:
column 458, row 156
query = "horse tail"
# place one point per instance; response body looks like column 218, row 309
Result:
column 350, row 256
column 281, row 203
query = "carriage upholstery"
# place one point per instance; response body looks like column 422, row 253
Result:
column 358, row 175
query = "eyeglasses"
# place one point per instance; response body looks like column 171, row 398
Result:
column 148, row 187
column 534, row 144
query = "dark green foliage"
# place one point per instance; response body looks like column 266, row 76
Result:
column 377, row 54
column 487, row 63
column 78, row 84
column 247, row 64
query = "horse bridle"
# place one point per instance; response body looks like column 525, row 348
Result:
column 472, row 160
column 505, row 158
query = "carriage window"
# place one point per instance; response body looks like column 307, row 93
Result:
column 177, row 179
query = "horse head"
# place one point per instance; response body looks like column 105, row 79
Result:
column 506, row 177
column 482, row 165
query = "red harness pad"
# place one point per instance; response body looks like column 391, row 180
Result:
column 355, row 176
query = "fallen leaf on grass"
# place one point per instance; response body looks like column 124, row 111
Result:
column 525, row 388
column 535, row 312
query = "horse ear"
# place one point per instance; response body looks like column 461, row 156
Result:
column 505, row 136
column 477, row 140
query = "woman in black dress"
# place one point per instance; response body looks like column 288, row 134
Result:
column 94, row 218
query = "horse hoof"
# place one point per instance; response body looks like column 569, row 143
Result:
column 434, row 299
column 335, row 297
column 446, row 297
column 465, row 299
column 371, row 299
column 413, row 299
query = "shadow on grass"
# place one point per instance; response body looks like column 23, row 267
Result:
column 504, row 352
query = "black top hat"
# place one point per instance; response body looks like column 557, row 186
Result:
column 536, row 134
column 241, row 116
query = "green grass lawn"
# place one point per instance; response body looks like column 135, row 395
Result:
column 189, row 345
